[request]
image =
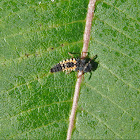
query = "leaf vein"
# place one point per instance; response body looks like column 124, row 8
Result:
column 62, row 120
column 106, row 97
column 37, row 107
column 38, row 30
column 116, row 50
column 117, row 29
column 105, row 67
column 102, row 122
column 121, row 11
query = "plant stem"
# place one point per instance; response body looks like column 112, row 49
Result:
column 91, row 7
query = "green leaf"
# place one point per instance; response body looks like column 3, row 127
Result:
column 36, row 35
column 109, row 101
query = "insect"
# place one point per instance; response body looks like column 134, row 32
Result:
column 74, row 64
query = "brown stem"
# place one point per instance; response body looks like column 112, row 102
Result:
column 89, row 17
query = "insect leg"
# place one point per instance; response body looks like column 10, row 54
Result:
column 71, row 54
column 68, row 72
column 94, row 57
column 90, row 75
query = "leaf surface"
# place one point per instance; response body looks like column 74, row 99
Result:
column 36, row 35
column 109, row 101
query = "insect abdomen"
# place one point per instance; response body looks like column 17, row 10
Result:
column 56, row 68
column 65, row 65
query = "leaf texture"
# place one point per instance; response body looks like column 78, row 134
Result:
column 109, row 101
column 36, row 35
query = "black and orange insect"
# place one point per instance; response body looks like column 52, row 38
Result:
column 74, row 64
